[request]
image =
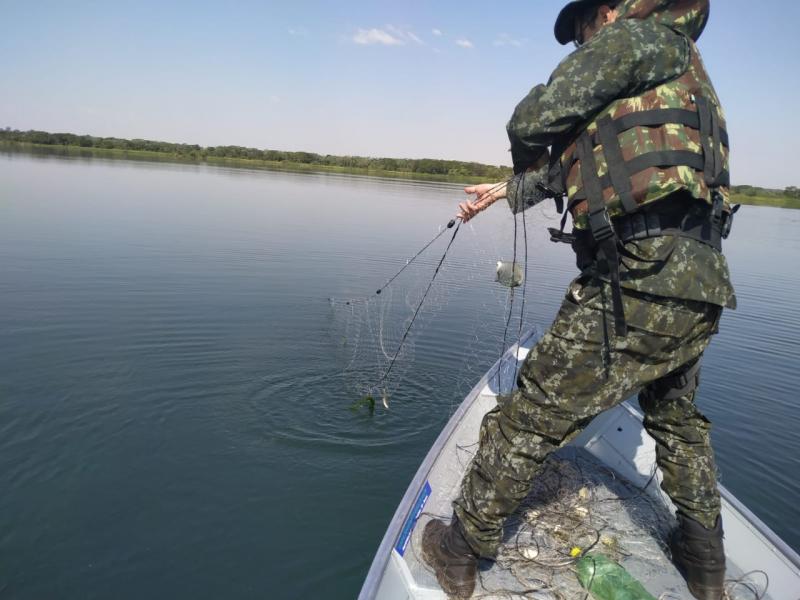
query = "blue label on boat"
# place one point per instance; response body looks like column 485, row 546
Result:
column 411, row 521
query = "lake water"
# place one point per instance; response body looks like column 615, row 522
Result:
column 174, row 393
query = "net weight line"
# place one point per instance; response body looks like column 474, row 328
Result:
column 511, row 300
column 415, row 257
column 450, row 225
column 385, row 376
column 454, row 223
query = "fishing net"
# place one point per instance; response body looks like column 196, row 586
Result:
column 578, row 506
column 383, row 338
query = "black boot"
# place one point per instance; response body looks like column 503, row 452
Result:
column 700, row 556
column 451, row 557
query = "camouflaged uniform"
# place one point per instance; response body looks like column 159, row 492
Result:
column 674, row 290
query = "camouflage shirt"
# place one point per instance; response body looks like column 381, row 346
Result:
column 623, row 59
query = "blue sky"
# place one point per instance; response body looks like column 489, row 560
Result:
column 402, row 79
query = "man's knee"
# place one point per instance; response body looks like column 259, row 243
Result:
column 535, row 415
column 680, row 383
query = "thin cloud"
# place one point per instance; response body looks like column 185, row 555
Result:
column 436, row 32
column 298, row 31
column 464, row 43
column 369, row 37
column 415, row 39
column 389, row 35
column 505, row 39
column 404, row 34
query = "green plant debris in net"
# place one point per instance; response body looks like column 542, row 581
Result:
column 367, row 402
column 607, row 580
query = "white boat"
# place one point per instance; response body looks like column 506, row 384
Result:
column 600, row 494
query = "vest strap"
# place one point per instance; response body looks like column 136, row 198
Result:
column 711, row 140
column 665, row 116
column 716, row 137
column 705, row 119
column 618, row 172
column 667, row 158
column 602, row 231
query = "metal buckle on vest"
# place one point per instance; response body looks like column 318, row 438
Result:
column 549, row 192
column 546, row 190
column 600, row 224
column 728, row 224
column 717, row 205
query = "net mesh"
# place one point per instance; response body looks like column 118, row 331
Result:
column 578, row 505
column 369, row 331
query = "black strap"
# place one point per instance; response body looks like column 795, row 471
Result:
column 609, row 253
column 599, row 222
column 706, row 140
column 692, row 219
column 560, row 236
column 719, row 162
column 667, row 158
column 727, row 224
column 617, row 167
column 640, row 225
column 602, row 230
column 680, row 382
column 663, row 116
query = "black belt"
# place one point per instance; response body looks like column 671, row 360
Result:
column 694, row 220
column 685, row 217
column 680, row 215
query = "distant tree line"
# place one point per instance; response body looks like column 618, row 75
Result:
column 753, row 191
column 426, row 166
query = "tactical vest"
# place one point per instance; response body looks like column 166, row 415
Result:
column 639, row 150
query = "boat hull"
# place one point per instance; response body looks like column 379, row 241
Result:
column 617, row 441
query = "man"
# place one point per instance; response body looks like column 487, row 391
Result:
column 637, row 144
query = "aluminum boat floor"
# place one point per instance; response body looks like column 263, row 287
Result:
column 578, row 505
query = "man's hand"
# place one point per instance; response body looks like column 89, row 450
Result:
column 487, row 194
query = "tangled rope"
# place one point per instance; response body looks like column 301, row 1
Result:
column 578, row 505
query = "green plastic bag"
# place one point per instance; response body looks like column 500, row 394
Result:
column 606, row 580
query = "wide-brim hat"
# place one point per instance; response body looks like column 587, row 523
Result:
column 565, row 23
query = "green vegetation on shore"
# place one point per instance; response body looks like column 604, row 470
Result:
column 756, row 196
column 424, row 168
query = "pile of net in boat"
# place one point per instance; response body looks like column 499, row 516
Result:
column 578, row 506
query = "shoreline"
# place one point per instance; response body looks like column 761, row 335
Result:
column 296, row 167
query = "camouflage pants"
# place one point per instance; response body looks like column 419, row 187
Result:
column 569, row 377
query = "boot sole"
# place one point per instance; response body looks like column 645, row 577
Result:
column 706, row 593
